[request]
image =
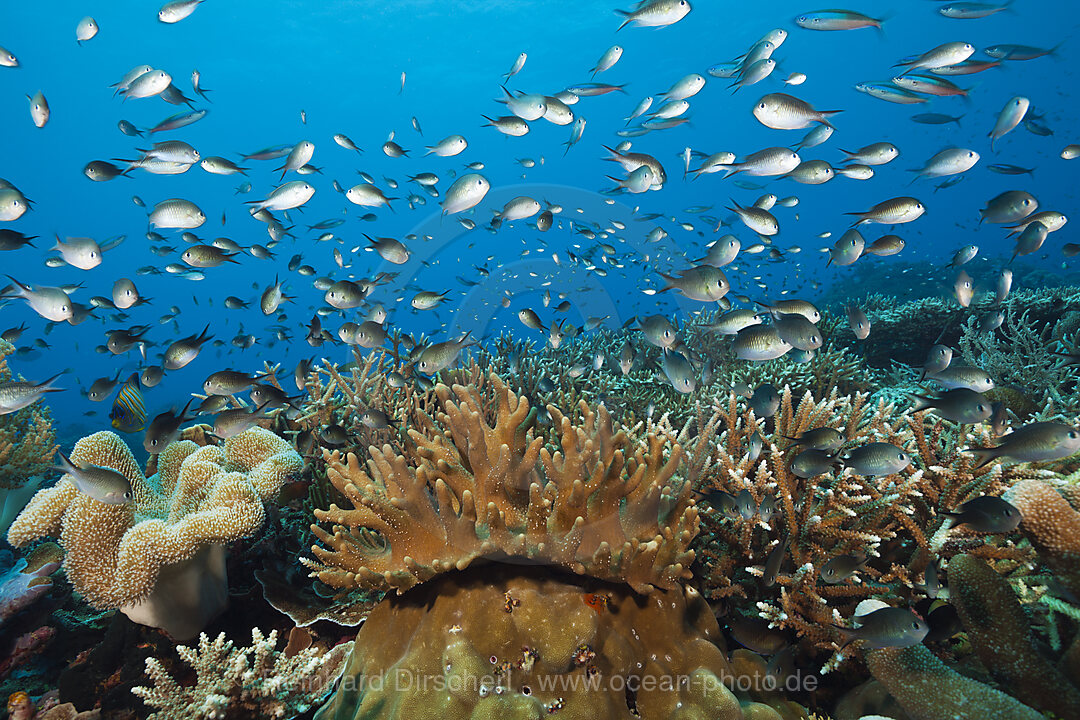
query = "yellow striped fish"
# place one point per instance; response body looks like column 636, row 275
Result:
column 128, row 411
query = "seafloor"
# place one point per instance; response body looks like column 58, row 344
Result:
column 530, row 536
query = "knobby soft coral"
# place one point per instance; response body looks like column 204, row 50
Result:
column 158, row 558
column 604, row 505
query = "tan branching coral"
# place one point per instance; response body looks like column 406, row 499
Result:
column 897, row 522
column 253, row 681
column 479, row 483
column 201, row 496
column 822, row 518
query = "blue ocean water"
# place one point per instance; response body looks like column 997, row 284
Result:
column 341, row 64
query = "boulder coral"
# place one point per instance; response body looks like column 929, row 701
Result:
column 530, row 579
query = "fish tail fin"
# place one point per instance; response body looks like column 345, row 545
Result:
column 921, row 402
column 627, row 18
column 847, row 635
column 983, row 455
column 879, row 23
column 729, row 170
column 46, row 385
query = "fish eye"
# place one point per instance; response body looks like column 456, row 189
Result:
column 1072, row 434
column 915, row 625
column 127, row 494
column 980, row 407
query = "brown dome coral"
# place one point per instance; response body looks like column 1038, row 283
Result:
column 516, row 643
column 582, row 614
column 117, row 555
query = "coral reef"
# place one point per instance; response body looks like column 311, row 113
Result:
column 199, row 499
column 604, row 506
column 897, row 521
column 1001, row 635
column 1020, row 356
column 1052, row 526
column 27, row 444
column 486, row 643
column 821, row 518
column 928, row 689
column 566, row 375
column 526, row 562
column 902, row 331
column 253, row 681
column 285, row 583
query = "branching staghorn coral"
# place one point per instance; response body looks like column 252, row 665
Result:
column 200, row 498
column 570, row 374
column 1020, row 354
column 338, row 396
column 254, row 681
column 479, row 483
column 951, row 478
column 898, row 521
column 821, row 518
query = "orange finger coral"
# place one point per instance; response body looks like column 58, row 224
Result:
column 158, row 558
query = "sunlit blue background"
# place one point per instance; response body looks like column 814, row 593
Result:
column 341, row 63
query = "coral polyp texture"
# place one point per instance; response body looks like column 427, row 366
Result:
column 480, row 484
column 254, row 681
column 520, row 642
column 530, row 579
column 27, row 445
column 200, row 496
